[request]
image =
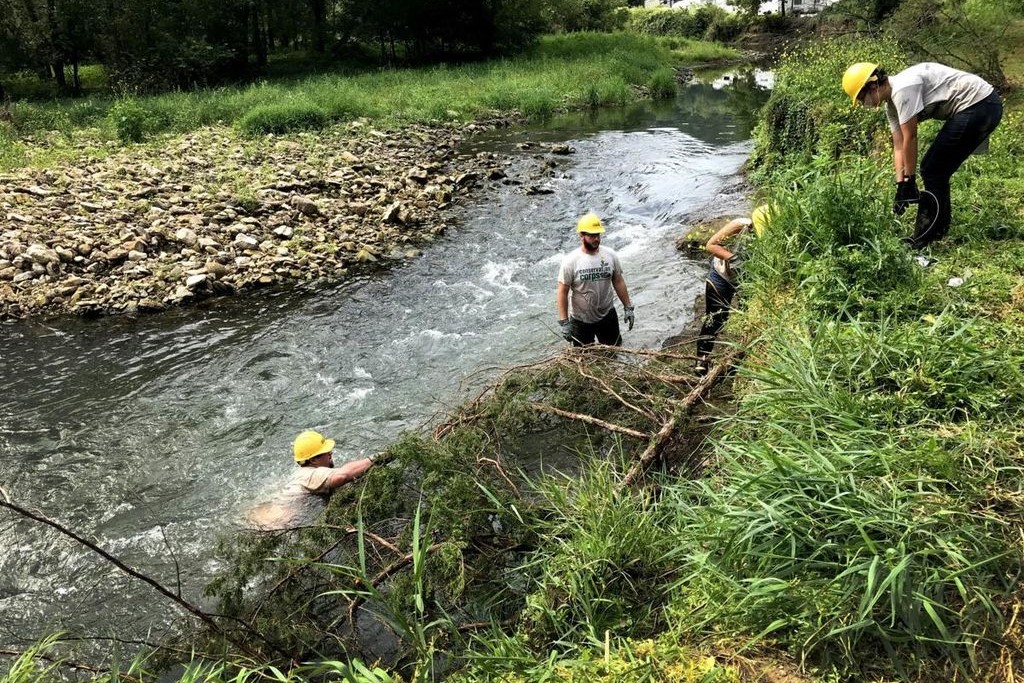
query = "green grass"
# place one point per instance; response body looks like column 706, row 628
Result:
column 563, row 72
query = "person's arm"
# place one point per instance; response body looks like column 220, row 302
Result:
column 619, row 283
column 350, row 471
column 731, row 228
column 907, row 163
column 562, row 299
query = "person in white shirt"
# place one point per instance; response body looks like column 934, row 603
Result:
column 971, row 109
column 308, row 488
column 314, row 455
column 587, row 279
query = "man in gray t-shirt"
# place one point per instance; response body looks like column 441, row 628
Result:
column 971, row 110
column 588, row 280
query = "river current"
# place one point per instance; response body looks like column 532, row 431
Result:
column 153, row 436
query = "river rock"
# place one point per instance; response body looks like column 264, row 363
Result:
column 305, row 205
column 193, row 281
column 216, row 269
column 245, row 242
column 186, row 236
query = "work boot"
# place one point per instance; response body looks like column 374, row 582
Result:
column 925, row 231
column 701, row 368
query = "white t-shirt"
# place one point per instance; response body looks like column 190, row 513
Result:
column 932, row 91
column 589, row 277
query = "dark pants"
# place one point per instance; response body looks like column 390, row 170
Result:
column 605, row 330
column 718, row 293
column 957, row 139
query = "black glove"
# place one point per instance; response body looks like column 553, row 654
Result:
column 628, row 316
column 906, row 194
column 566, row 329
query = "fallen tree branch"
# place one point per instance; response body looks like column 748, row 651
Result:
column 5, row 502
column 384, row 575
column 654, row 449
column 614, row 394
column 347, row 531
column 589, row 420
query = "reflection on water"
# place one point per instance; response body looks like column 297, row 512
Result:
column 154, row 436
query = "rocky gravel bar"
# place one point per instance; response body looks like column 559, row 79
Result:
column 211, row 213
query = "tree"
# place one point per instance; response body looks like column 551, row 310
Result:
column 749, row 8
column 968, row 34
column 870, row 13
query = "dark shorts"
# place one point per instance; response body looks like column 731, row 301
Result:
column 605, row 330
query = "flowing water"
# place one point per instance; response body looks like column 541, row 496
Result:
column 154, row 436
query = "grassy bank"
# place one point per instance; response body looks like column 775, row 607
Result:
column 563, row 72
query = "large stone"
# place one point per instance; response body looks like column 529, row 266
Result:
column 41, row 254
column 216, row 269
column 186, row 236
column 305, row 205
column 245, row 242
column 193, row 281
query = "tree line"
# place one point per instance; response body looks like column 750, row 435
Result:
column 153, row 45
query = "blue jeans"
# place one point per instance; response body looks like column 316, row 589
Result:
column 957, row 139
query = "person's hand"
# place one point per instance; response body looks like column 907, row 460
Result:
column 906, row 194
column 628, row 316
column 566, row 329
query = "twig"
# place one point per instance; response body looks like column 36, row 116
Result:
column 384, row 575
column 655, row 353
column 589, row 420
column 170, row 551
column 609, row 390
column 653, row 450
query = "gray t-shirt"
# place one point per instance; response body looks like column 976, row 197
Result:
column 932, row 91
column 589, row 277
column 294, row 505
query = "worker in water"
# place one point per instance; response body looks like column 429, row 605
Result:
column 315, row 457
column 723, row 278
column 316, row 474
column 588, row 280
column 971, row 109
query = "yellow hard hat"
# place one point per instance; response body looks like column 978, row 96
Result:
column 761, row 216
column 590, row 223
column 310, row 444
column 856, row 77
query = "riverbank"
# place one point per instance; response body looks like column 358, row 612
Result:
column 210, row 214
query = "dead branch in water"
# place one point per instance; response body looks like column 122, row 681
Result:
column 589, row 420
column 654, row 449
column 5, row 502
column 614, row 394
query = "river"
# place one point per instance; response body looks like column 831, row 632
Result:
column 153, row 436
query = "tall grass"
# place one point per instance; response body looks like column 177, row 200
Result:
column 839, row 525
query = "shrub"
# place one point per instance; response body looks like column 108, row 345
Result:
column 663, row 84
column 281, row 118
column 809, row 116
column 132, row 122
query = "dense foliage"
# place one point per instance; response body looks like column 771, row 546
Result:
column 152, row 45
